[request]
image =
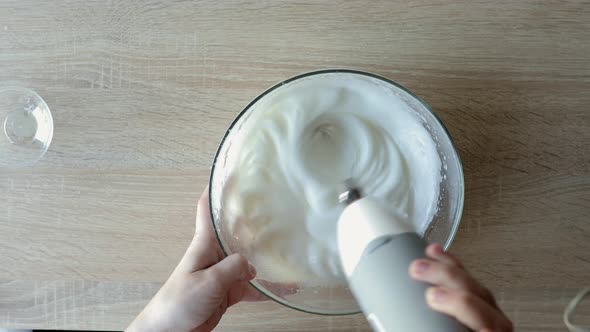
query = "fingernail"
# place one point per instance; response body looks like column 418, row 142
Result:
column 436, row 295
column 438, row 250
column 252, row 270
column 421, row 267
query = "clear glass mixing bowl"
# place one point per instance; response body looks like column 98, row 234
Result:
column 337, row 299
column 26, row 127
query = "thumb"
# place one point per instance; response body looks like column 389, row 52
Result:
column 232, row 269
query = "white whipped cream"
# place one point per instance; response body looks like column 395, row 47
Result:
column 285, row 162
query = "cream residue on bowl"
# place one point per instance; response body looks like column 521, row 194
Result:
column 286, row 160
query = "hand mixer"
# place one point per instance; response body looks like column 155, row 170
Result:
column 376, row 251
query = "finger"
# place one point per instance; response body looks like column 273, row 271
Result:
column 203, row 225
column 450, row 276
column 212, row 322
column 437, row 252
column 251, row 294
column 231, row 270
column 203, row 250
column 468, row 309
column 248, row 293
column 243, row 291
column 279, row 289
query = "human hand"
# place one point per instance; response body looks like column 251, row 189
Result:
column 202, row 287
column 457, row 293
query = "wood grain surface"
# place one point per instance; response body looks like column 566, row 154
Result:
column 142, row 92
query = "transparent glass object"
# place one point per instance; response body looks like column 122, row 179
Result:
column 338, row 300
column 26, row 127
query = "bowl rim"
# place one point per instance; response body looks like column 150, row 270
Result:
column 460, row 206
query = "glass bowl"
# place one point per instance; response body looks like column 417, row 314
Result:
column 302, row 292
column 27, row 127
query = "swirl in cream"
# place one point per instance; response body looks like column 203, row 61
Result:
column 289, row 156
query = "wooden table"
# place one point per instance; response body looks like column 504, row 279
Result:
column 142, row 92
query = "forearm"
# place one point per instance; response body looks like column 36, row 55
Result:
column 146, row 322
